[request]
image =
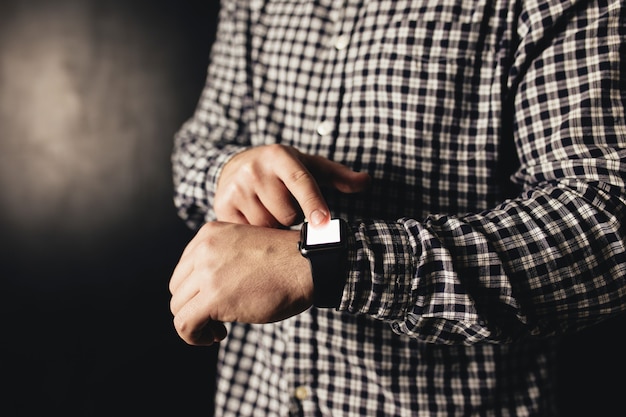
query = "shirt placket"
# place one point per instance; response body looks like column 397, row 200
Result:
column 306, row 393
column 342, row 16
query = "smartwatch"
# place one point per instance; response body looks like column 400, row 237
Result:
column 326, row 249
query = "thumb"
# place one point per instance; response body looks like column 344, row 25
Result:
column 337, row 175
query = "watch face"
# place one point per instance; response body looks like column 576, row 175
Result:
column 322, row 235
column 320, row 239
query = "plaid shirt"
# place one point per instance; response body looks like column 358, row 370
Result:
column 494, row 132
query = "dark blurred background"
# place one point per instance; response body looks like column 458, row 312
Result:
column 91, row 94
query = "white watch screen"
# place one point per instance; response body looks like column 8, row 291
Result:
column 328, row 233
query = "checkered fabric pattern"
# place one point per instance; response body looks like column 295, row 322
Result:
column 494, row 132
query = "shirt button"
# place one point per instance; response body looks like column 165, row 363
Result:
column 325, row 128
column 301, row 393
column 342, row 42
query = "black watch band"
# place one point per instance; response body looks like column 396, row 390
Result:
column 329, row 277
column 328, row 261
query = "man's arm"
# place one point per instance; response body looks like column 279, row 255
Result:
column 216, row 132
column 552, row 259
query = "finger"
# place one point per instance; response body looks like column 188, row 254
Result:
column 243, row 206
column 337, row 175
column 250, row 210
column 185, row 265
column 279, row 203
column 228, row 204
column 349, row 181
column 302, row 185
column 234, row 216
column 257, row 214
column 218, row 330
column 194, row 324
column 183, row 293
column 212, row 332
column 183, row 269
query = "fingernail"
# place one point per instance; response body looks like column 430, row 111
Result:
column 317, row 217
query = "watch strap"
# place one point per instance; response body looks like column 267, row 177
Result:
column 328, row 270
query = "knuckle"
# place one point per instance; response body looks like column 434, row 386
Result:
column 206, row 237
column 181, row 326
column 299, row 176
column 287, row 219
column 276, row 149
column 203, row 253
column 248, row 172
column 208, row 229
column 220, row 204
column 224, row 208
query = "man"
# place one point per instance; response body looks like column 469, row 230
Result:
column 474, row 149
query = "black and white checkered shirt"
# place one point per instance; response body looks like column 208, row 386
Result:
column 495, row 135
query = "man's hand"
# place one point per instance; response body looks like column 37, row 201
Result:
column 275, row 185
column 232, row 272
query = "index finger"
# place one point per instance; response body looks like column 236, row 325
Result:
column 302, row 185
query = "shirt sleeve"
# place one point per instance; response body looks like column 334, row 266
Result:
column 550, row 260
column 217, row 130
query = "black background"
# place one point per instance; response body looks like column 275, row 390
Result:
column 91, row 93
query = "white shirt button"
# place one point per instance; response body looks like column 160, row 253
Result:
column 342, row 41
column 301, row 393
column 325, row 128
